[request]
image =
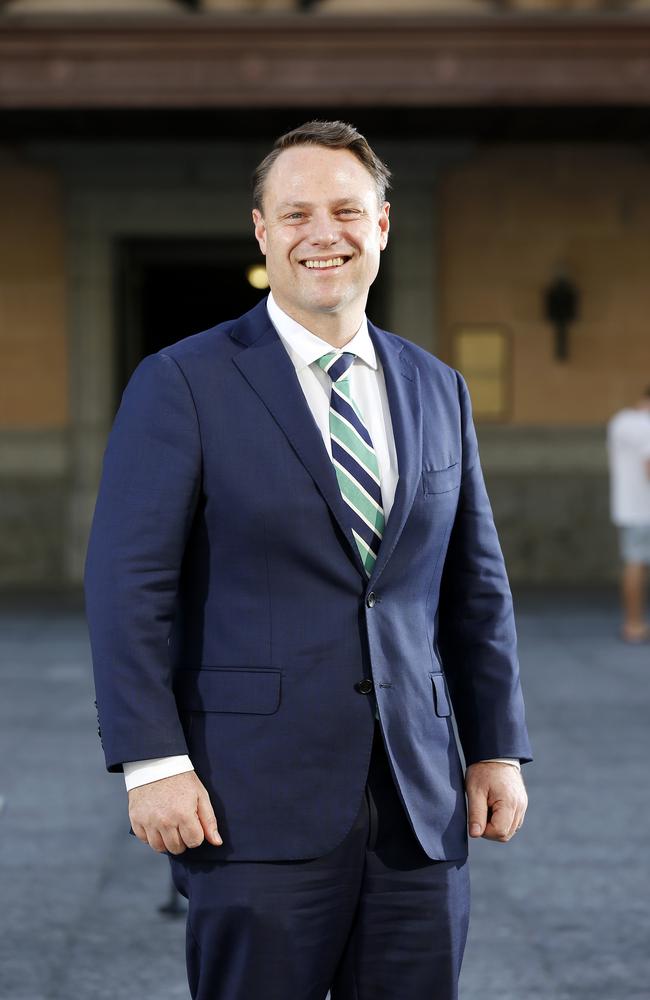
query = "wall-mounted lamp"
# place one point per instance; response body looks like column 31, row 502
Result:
column 257, row 277
column 561, row 304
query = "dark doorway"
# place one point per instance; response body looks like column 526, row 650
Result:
column 169, row 288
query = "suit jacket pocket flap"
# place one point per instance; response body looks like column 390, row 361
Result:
column 440, row 699
column 250, row 690
column 441, row 480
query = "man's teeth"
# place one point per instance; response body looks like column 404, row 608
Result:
column 333, row 262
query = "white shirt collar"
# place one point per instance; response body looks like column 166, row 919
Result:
column 305, row 347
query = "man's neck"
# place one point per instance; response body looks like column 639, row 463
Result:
column 336, row 329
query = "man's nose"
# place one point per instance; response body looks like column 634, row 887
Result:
column 324, row 230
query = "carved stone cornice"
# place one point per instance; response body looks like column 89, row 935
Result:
column 203, row 61
column 93, row 7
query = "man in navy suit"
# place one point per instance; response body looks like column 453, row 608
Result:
column 293, row 574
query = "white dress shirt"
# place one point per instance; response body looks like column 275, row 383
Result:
column 368, row 389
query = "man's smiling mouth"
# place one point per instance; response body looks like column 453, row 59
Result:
column 315, row 263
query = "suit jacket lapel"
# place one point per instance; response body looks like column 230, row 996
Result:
column 403, row 390
column 268, row 369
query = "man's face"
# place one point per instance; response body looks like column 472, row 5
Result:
column 321, row 230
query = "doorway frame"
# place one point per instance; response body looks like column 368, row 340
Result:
column 113, row 193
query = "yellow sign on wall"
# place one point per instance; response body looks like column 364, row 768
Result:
column 482, row 355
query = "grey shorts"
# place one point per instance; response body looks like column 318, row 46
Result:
column 634, row 541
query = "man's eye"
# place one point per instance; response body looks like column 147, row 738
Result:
column 296, row 215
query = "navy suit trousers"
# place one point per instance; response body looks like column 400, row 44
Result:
column 375, row 919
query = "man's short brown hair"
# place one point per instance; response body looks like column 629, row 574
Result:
column 331, row 135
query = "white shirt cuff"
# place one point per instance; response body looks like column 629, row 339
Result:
column 503, row 760
column 141, row 772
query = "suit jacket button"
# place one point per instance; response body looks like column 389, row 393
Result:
column 364, row 687
column 371, row 599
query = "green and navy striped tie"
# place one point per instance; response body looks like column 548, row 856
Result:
column 354, row 458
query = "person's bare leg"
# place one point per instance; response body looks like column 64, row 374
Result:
column 633, row 590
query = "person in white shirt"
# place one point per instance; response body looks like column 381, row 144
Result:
column 628, row 445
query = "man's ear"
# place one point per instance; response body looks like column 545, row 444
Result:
column 384, row 224
column 260, row 229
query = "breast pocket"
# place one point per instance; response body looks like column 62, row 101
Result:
column 436, row 481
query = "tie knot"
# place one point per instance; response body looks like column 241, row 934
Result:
column 336, row 364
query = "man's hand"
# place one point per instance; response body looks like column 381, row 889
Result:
column 173, row 813
column 496, row 800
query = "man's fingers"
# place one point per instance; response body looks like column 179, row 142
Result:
column 155, row 841
column 477, row 808
column 191, row 832
column 140, row 832
column 520, row 812
column 517, row 820
column 501, row 821
column 207, row 818
column 171, row 838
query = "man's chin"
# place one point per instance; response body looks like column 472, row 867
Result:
column 325, row 304
column 329, row 303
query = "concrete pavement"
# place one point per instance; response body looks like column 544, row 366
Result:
column 560, row 913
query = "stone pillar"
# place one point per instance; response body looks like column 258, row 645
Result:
column 93, row 7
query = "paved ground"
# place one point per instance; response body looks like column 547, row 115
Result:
column 560, row 913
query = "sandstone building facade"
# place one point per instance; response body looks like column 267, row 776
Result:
column 516, row 133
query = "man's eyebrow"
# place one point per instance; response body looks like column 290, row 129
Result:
column 293, row 204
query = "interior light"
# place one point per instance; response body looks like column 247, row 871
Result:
column 256, row 276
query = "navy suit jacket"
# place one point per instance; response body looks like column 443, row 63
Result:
column 231, row 618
